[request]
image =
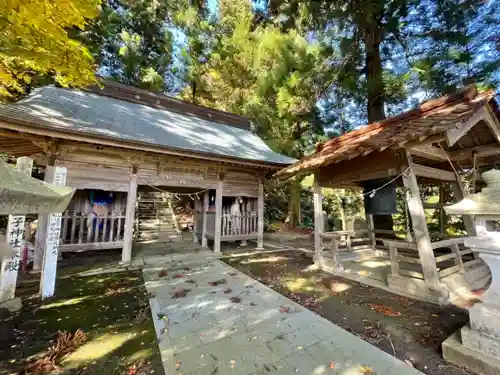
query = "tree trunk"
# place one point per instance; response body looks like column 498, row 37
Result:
column 293, row 217
column 376, row 96
column 374, row 78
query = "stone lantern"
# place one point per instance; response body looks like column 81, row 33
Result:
column 477, row 345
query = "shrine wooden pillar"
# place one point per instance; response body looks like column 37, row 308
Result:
column 318, row 222
column 260, row 216
column 195, row 217
column 15, row 241
column 56, row 176
column 204, row 242
column 218, row 213
column 129, row 217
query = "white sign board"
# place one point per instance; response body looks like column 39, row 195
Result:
column 49, row 266
column 10, row 266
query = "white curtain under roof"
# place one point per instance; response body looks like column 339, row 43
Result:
column 22, row 194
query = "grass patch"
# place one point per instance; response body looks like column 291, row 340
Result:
column 113, row 311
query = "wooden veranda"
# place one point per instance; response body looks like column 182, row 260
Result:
column 432, row 144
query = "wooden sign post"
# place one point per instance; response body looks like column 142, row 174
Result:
column 15, row 240
column 49, row 265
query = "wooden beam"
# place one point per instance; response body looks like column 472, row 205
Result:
column 492, row 121
column 421, row 232
column 428, row 152
column 375, row 165
column 129, row 217
column 462, row 127
column 480, row 152
column 218, row 214
column 318, row 222
column 101, row 140
column 422, row 141
column 260, row 216
column 434, row 173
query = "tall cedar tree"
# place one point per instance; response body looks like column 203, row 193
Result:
column 370, row 33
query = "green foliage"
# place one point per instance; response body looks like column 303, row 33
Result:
column 34, row 43
column 133, row 43
column 273, row 77
column 390, row 50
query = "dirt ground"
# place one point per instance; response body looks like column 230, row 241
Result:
column 411, row 330
column 111, row 309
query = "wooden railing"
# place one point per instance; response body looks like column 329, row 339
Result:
column 234, row 227
column 239, row 226
column 404, row 255
column 344, row 242
column 210, row 224
column 458, row 255
column 405, row 260
column 85, row 232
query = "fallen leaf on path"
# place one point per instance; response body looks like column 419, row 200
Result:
column 181, row 293
column 386, row 310
column 284, row 309
column 217, row 282
column 162, row 273
column 178, row 276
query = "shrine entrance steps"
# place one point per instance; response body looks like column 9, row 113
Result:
column 155, row 218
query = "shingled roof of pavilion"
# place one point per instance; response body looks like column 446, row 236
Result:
column 429, row 119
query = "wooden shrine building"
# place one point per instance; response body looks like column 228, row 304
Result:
column 117, row 141
column 432, row 144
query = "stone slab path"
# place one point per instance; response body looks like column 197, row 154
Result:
column 211, row 319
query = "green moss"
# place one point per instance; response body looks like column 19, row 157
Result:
column 112, row 309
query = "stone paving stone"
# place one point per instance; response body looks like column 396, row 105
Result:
column 197, row 323
column 265, row 333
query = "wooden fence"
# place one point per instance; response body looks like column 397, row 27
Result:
column 452, row 257
column 240, row 227
column 338, row 242
column 87, row 232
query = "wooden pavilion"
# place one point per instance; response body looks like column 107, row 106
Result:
column 116, row 142
column 430, row 144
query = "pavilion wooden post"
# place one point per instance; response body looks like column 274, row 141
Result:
column 318, row 222
column 56, row 176
column 15, row 240
column 206, row 197
column 260, row 216
column 371, row 230
column 218, row 213
column 458, row 192
column 421, row 232
column 129, row 217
